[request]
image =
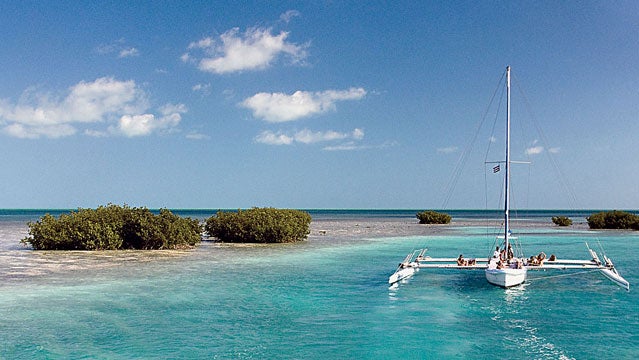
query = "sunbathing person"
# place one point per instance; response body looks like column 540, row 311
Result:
column 540, row 258
column 461, row 261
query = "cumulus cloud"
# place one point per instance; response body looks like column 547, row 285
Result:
column 255, row 49
column 145, row 124
column 280, row 107
column 86, row 104
column 306, row 136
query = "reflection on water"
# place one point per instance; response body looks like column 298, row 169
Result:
column 515, row 293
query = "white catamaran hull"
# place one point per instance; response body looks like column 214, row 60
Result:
column 614, row 276
column 401, row 275
column 506, row 277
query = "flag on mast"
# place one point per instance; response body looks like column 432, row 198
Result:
column 496, row 169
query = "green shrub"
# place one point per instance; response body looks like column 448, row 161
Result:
column 613, row 220
column 113, row 227
column 259, row 225
column 433, row 217
column 561, row 220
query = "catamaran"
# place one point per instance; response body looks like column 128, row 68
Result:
column 504, row 268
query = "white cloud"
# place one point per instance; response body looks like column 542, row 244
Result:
column 270, row 138
column 136, row 125
column 309, row 137
column 554, row 150
column 96, row 133
column 306, row 136
column 128, row 52
column 534, row 150
column 204, row 89
column 51, row 131
column 105, row 100
column 280, row 107
column 145, row 124
column 358, row 134
column 447, row 150
column 255, row 49
column 172, row 109
column 91, row 102
column 289, row 15
column 185, row 58
column 205, row 43
column 348, row 146
column 119, row 47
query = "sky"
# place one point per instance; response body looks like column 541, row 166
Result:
column 316, row 104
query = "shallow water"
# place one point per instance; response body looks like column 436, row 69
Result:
column 324, row 298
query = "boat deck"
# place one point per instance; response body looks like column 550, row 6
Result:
column 482, row 263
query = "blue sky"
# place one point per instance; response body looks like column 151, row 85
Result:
column 316, row 104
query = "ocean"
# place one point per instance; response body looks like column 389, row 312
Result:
column 325, row 298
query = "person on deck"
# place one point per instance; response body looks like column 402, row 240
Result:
column 540, row 258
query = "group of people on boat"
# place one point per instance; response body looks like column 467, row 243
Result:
column 504, row 254
column 539, row 259
column 465, row 262
column 505, row 258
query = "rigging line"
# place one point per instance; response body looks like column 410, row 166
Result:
column 562, row 178
column 464, row 156
column 490, row 141
column 492, row 131
column 603, row 252
column 563, row 275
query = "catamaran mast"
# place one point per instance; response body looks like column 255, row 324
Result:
column 507, row 165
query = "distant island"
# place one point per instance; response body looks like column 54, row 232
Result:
column 433, row 217
column 115, row 227
column 259, row 225
column 561, row 220
column 615, row 219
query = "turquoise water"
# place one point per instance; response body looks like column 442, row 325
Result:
column 320, row 299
